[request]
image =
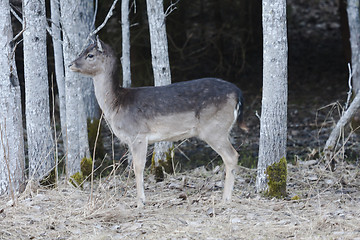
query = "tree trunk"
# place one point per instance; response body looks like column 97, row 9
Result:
column 125, row 28
column 12, row 158
column 59, row 63
column 125, row 59
column 354, row 27
column 273, row 123
column 160, row 61
column 85, row 24
column 39, row 134
column 76, row 20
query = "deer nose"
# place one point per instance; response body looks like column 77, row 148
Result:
column 70, row 65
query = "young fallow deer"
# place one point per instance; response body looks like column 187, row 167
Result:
column 205, row 108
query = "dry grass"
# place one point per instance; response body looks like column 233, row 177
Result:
column 186, row 207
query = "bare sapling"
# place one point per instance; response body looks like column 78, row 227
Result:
column 205, row 108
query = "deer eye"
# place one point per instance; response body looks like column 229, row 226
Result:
column 90, row 55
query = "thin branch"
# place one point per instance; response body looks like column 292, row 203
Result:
column 134, row 4
column 95, row 13
column 93, row 159
column 349, row 93
column 21, row 32
column 16, row 15
column 17, row 43
column 108, row 16
column 171, row 8
column 257, row 115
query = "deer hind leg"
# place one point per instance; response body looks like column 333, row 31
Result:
column 138, row 150
column 230, row 157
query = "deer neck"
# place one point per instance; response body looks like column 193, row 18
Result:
column 107, row 90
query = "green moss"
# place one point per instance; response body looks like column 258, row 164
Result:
column 77, row 179
column 295, row 198
column 277, row 175
column 157, row 170
column 167, row 163
column 164, row 165
column 159, row 174
column 86, row 166
column 49, row 180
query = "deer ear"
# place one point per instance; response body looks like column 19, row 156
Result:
column 98, row 42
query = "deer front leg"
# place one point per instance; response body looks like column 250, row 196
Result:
column 138, row 150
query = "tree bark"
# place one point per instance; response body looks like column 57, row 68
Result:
column 125, row 29
column 273, row 123
column 160, row 60
column 354, row 27
column 59, row 62
column 76, row 20
column 12, row 158
column 39, row 134
column 125, row 59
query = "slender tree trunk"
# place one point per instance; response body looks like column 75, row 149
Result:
column 273, row 123
column 59, row 62
column 160, row 61
column 76, row 20
column 86, row 26
column 12, row 158
column 354, row 27
column 125, row 59
column 39, row 134
column 159, row 44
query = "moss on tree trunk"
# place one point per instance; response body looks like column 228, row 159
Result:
column 277, row 175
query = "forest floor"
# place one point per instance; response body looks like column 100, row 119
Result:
column 187, row 206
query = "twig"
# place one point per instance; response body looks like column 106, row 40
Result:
column 17, row 43
column 108, row 16
column 93, row 160
column 257, row 115
column 95, row 13
column 16, row 15
column 349, row 93
column 113, row 154
column 171, row 8
column 21, row 32
column 134, row 4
